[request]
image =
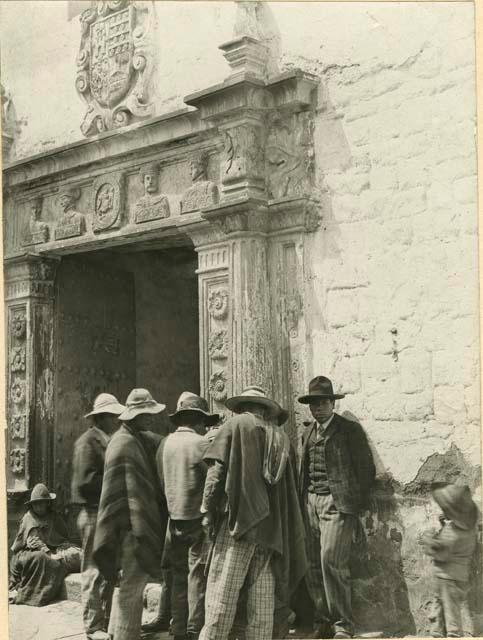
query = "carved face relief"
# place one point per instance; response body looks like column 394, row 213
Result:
column 36, row 209
column 66, row 202
column 198, row 169
column 104, row 200
column 150, row 183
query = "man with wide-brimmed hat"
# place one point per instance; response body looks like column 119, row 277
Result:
column 182, row 473
column 337, row 472
column 130, row 525
column 451, row 549
column 42, row 554
column 251, row 508
column 87, row 474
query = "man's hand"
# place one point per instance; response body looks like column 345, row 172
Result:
column 208, row 524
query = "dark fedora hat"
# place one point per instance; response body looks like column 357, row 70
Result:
column 320, row 387
column 191, row 403
column 456, row 504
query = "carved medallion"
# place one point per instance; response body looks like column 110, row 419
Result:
column 71, row 222
column 19, row 325
column 17, row 360
column 17, row 391
column 17, row 460
column 218, row 345
column 107, row 202
column 152, row 205
column 218, row 303
column 36, row 232
column 217, row 386
column 18, row 426
column 115, row 64
column 203, row 193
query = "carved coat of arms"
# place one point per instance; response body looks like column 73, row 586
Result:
column 115, row 64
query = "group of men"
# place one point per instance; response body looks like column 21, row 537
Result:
column 221, row 513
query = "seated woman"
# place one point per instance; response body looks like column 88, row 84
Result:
column 42, row 554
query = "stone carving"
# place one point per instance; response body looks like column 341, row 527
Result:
column 289, row 156
column 44, row 269
column 19, row 325
column 17, row 460
column 202, row 193
column 107, row 202
column 218, row 345
column 217, row 386
column 18, row 426
column 9, row 127
column 115, row 63
column 218, row 303
column 243, row 167
column 72, row 222
column 17, row 391
column 17, row 360
column 152, row 205
column 37, row 231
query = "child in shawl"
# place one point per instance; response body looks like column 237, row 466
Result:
column 42, row 554
column 451, row 549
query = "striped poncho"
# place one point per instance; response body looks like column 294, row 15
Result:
column 130, row 500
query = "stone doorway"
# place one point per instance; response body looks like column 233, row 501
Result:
column 125, row 318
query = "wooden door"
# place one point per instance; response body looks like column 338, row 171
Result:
column 96, row 352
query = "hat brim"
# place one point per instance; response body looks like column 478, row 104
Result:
column 208, row 418
column 53, row 496
column 115, row 409
column 466, row 520
column 131, row 412
column 317, row 396
column 236, row 403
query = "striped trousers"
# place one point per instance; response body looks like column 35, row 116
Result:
column 328, row 579
column 127, row 604
column 236, row 563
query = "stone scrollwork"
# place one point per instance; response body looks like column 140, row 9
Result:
column 218, row 345
column 217, row 386
column 289, row 155
column 152, row 205
column 18, row 426
column 17, row 360
column 107, row 202
column 17, row 460
column 218, row 303
column 115, row 64
column 203, row 193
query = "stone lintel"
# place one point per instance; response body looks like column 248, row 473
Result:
column 232, row 96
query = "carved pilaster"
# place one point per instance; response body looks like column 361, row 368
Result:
column 29, row 286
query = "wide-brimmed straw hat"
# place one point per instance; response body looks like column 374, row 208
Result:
column 190, row 403
column 140, row 401
column 40, row 493
column 456, row 503
column 106, row 403
column 320, row 387
column 257, row 395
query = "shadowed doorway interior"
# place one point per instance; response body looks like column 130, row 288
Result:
column 125, row 319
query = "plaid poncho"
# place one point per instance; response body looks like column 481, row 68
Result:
column 129, row 501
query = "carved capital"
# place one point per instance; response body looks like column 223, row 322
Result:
column 30, row 277
column 294, row 214
column 249, row 215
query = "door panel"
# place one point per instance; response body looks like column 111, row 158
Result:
column 96, row 352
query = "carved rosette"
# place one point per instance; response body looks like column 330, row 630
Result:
column 218, row 303
column 18, row 426
column 218, row 390
column 218, row 345
column 115, row 64
column 107, row 202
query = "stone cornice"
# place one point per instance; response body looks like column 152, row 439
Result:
column 134, row 140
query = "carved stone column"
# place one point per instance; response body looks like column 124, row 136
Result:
column 29, row 309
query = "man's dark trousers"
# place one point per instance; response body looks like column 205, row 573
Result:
column 187, row 559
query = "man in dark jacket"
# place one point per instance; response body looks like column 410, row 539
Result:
column 88, row 469
column 337, row 472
